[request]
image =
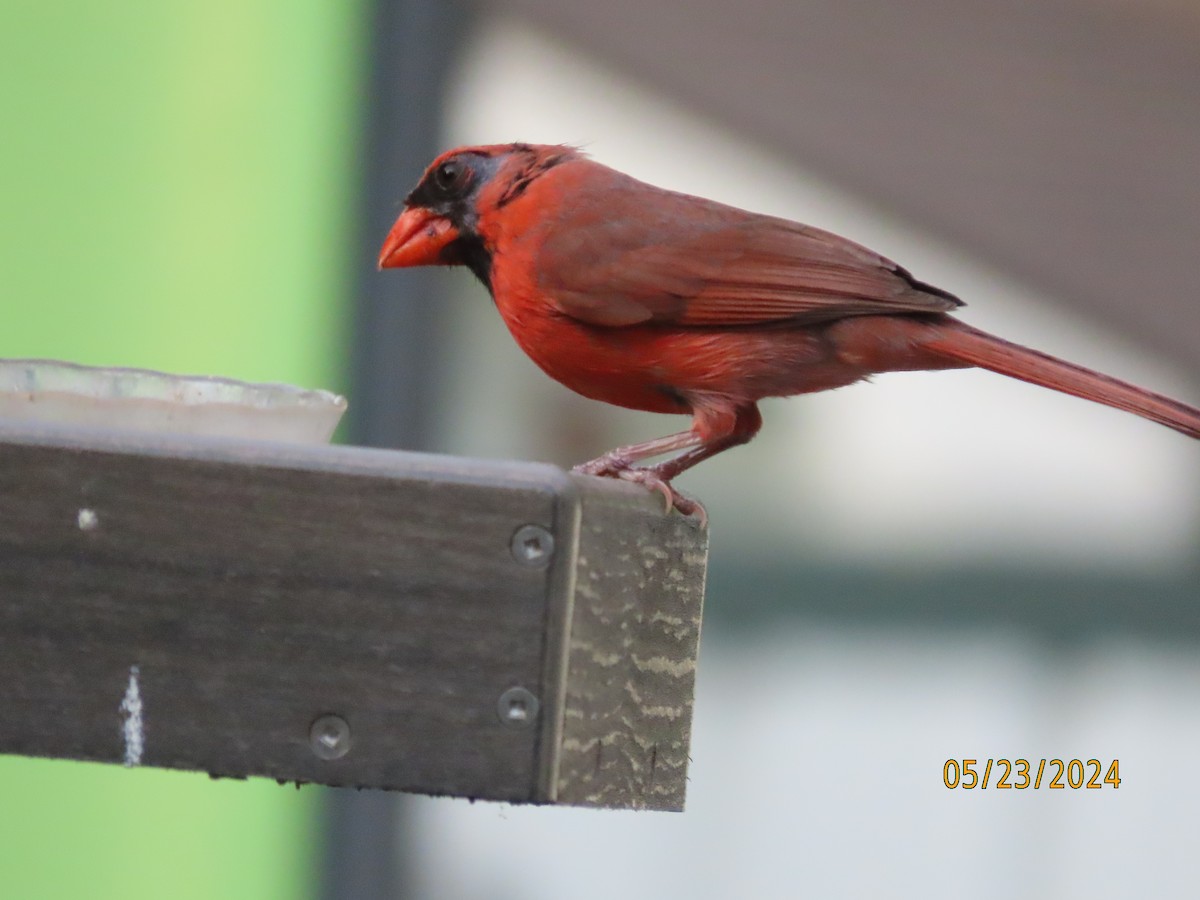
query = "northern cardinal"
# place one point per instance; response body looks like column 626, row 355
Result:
column 670, row 303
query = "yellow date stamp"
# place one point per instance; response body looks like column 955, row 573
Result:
column 1023, row 774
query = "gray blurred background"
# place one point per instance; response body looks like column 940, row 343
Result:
column 929, row 567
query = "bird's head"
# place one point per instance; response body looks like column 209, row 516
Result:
column 440, row 224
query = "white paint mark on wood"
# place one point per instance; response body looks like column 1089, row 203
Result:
column 663, row 665
column 131, row 712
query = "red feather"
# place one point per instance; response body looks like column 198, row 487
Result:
column 623, row 252
column 665, row 302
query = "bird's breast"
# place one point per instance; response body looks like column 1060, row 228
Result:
column 625, row 367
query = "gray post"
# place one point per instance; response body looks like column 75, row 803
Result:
column 394, row 357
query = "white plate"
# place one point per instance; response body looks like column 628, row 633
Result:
column 38, row 390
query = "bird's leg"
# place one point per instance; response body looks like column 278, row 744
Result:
column 714, row 430
column 744, row 425
column 614, row 462
column 684, row 461
column 619, row 463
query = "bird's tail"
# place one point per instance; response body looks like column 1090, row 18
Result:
column 954, row 340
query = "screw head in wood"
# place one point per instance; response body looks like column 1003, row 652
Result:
column 329, row 737
column 517, row 707
column 532, row 545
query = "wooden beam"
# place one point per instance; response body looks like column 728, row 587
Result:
column 345, row 616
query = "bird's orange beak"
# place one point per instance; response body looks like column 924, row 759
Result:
column 417, row 239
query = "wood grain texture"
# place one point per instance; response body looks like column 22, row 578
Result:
column 634, row 638
column 256, row 587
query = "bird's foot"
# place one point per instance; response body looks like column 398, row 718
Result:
column 609, row 466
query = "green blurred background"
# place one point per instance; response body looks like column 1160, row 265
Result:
column 178, row 183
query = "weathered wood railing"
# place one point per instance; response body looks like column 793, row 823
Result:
column 345, row 616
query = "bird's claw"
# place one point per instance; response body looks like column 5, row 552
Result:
column 648, row 479
column 608, row 467
column 687, row 506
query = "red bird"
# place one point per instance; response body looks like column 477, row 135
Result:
column 664, row 302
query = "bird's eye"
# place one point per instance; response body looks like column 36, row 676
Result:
column 450, row 177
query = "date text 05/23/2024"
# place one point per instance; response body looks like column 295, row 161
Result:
column 1022, row 774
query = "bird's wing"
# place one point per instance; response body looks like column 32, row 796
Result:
column 623, row 253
